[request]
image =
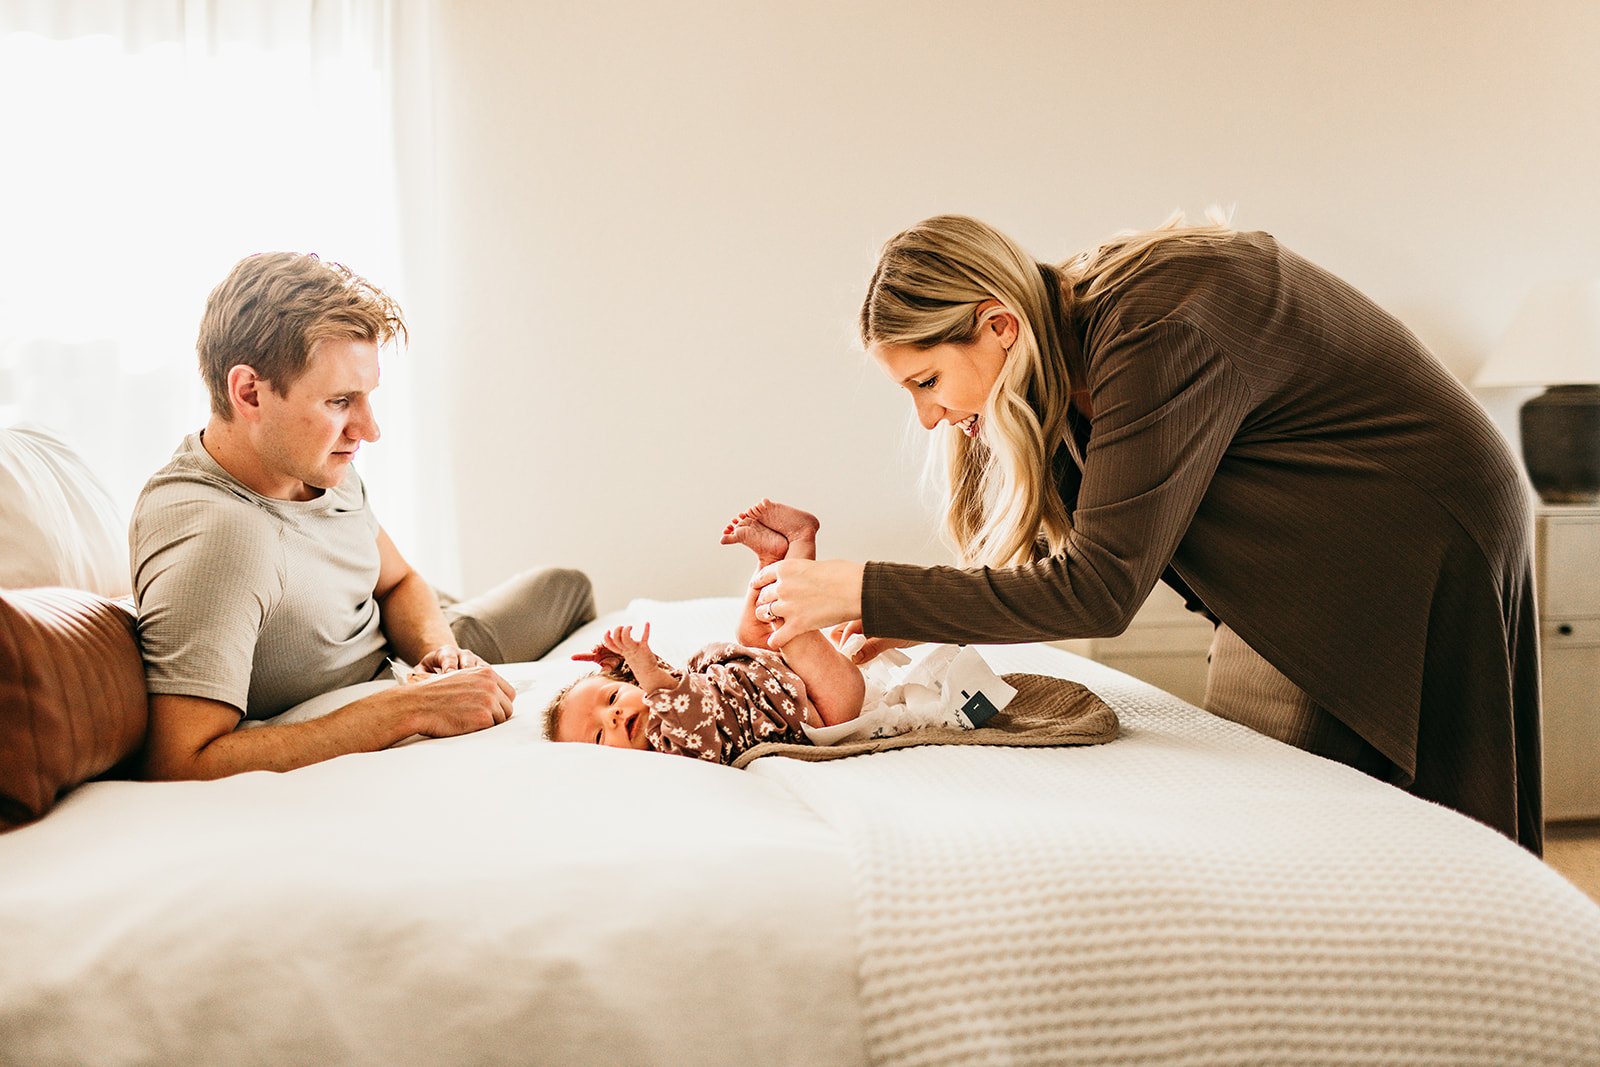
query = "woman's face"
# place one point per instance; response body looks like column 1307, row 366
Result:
column 950, row 383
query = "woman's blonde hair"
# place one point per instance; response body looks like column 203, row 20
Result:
column 273, row 308
column 1002, row 506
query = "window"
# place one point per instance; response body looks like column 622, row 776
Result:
column 149, row 147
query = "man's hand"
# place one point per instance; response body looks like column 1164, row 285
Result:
column 469, row 699
column 449, row 658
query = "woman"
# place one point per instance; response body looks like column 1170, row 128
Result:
column 1204, row 407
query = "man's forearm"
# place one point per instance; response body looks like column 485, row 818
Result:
column 412, row 620
column 192, row 737
column 367, row 725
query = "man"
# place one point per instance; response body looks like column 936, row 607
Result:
column 261, row 574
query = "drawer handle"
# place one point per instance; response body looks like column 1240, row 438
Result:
column 1564, row 629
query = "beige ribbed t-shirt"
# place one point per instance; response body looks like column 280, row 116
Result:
column 258, row 603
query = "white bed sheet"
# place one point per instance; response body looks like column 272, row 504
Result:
column 491, row 898
column 1191, row 893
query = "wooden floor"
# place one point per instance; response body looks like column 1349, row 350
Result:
column 1574, row 850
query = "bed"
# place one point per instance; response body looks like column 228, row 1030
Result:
column 1190, row 893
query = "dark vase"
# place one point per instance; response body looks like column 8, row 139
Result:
column 1561, row 443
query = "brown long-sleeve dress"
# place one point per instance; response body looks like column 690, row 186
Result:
column 1314, row 477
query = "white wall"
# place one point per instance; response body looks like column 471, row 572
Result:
column 658, row 220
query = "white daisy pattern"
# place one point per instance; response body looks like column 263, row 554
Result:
column 730, row 698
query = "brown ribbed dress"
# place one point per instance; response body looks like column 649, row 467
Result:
column 1320, row 483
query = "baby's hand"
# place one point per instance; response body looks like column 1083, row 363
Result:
column 600, row 655
column 649, row 671
column 620, row 641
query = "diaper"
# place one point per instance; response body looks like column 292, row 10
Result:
column 951, row 686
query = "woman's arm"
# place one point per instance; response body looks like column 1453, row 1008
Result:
column 1167, row 403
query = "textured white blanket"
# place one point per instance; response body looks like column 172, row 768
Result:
column 1193, row 893
column 1190, row 893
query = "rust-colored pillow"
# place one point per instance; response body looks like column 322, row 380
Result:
column 72, row 696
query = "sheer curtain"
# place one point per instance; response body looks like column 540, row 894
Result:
column 151, row 144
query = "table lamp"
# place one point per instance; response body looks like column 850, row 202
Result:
column 1555, row 341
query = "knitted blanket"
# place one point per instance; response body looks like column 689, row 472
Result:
column 1195, row 893
column 1045, row 711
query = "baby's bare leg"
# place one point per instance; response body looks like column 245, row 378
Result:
column 769, row 547
column 798, row 527
column 768, row 544
column 773, row 532
column 835, row 685
column 751, row 630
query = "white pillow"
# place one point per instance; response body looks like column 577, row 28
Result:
column 58, row 525
column 679, row 627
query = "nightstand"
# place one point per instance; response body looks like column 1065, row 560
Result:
column 1567, row 573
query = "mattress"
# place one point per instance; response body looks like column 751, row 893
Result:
column 1189, row 893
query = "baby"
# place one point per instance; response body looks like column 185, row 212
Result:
column 731, row 697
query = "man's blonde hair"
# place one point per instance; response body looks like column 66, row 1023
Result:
column 1002, row 505
column 273, row 308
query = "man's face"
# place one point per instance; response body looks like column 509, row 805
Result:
column 308, row 436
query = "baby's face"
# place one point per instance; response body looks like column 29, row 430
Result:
column 603, row 711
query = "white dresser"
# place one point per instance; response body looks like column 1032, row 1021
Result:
column 1567, row 570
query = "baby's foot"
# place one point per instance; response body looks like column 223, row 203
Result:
column 792, row 523
column 768, row 544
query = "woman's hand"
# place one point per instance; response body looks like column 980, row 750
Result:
column 871, row 647
column 799, row 595
column 844, row 632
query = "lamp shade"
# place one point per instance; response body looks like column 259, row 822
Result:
column 1554, row 340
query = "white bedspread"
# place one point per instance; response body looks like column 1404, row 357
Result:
column 1188, row 894
column 1194, row 893
column 491, row 898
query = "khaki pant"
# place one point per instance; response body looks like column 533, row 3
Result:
column 522, row 618
column 1244, row 688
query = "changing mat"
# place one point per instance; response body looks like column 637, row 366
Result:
column 1045, row 711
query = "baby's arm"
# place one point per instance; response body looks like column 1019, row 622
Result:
column 649, row 670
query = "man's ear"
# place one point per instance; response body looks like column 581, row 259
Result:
column 244, row 389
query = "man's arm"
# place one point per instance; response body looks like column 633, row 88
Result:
column 408, row 610
column 195, row 738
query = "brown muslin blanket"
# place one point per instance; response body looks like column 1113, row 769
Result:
column 1045, row 711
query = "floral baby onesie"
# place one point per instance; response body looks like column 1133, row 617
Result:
column 730, row 698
